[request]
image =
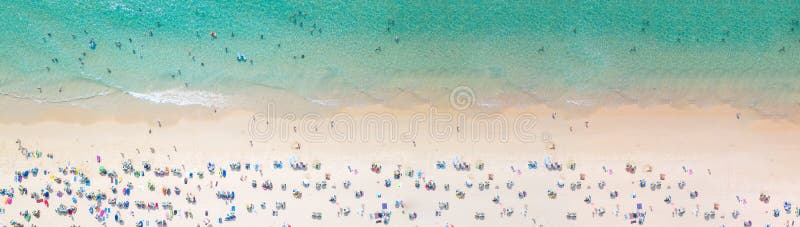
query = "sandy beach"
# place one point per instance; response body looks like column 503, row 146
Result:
column 729, row 162
column 399, row 113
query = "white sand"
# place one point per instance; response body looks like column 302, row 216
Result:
column 746, row 157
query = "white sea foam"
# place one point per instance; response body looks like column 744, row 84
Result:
column 64, row 100
column 489, row 105
column 329, row 102
column 182, row 97
column 579, row 102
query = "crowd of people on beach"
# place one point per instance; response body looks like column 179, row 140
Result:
column 67, row 191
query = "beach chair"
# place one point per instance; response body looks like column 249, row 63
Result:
column 480, row 216
column 572, row 216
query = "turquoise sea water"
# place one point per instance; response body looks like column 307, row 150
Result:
column 745, row 53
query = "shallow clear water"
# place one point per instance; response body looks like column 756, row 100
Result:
column 598, row 53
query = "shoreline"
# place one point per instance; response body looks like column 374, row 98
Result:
column 109, row 107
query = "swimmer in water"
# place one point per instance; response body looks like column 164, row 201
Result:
column 92, row 44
